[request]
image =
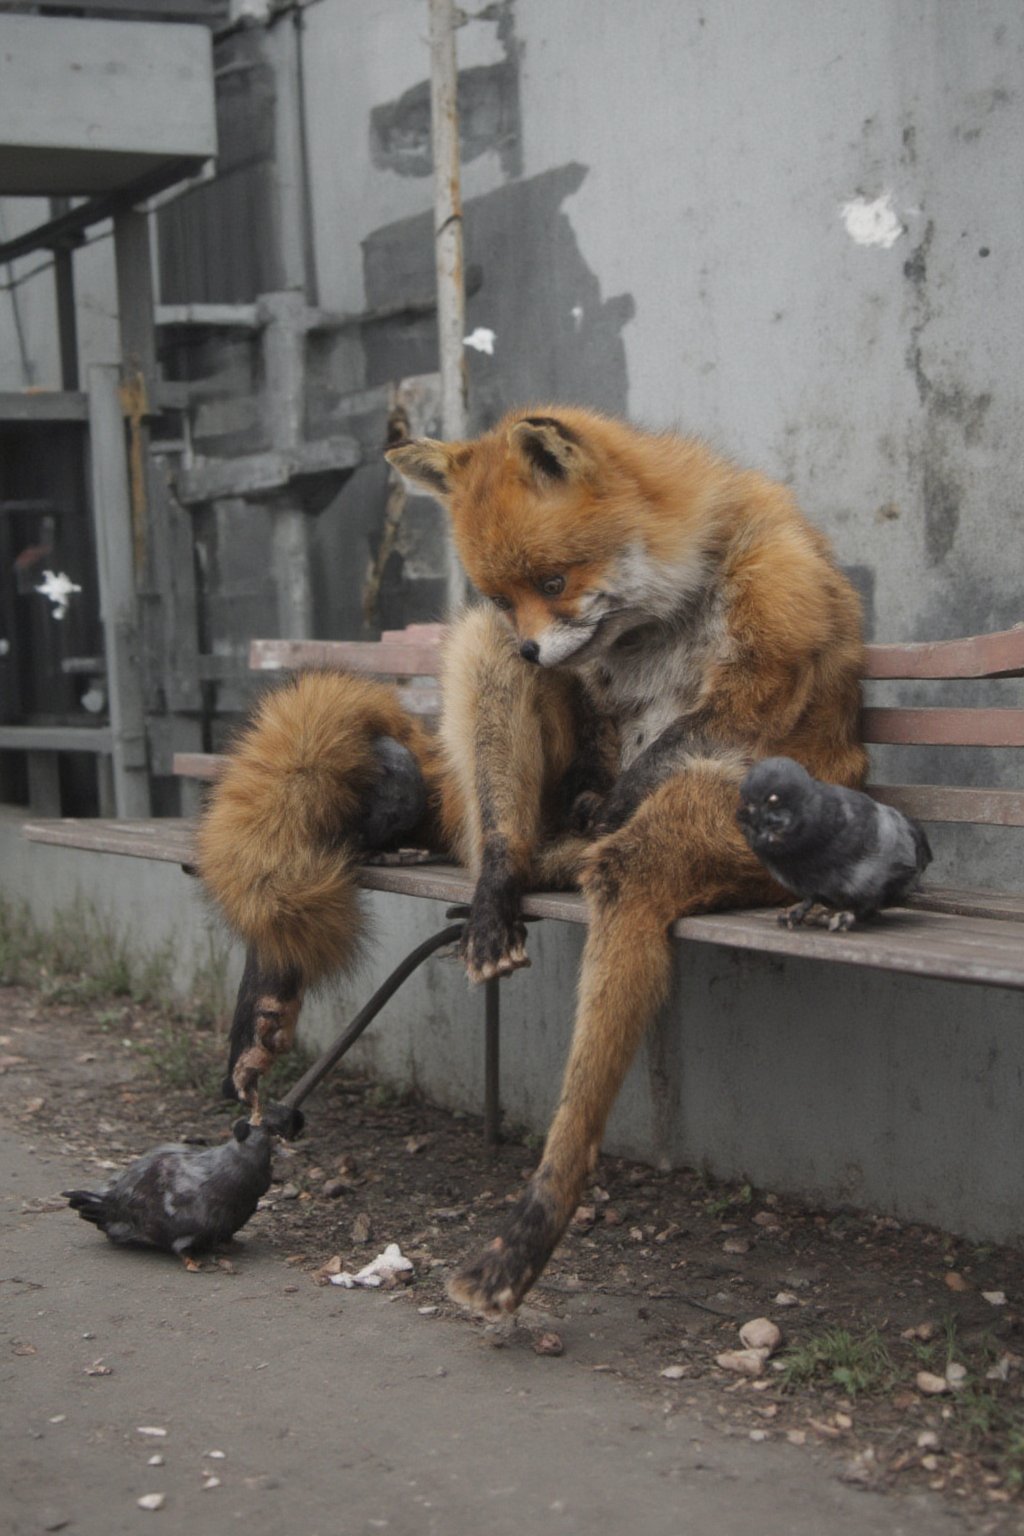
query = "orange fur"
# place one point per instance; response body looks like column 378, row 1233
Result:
column 272, row 848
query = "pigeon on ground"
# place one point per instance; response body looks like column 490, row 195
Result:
column 183, row 1199
column 834, row 847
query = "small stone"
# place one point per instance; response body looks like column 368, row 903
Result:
column 743, row 1362
column 956, row 1374
column 930, row 1384
column 154, row 1430
column 759, row 1434
column 995, row 1298
column 215, row 1455
column 58, row 1418
column 210, row 1482
column 548, row 1344
column 636, row 1235
column 843, row 1421
column 785, row 1299
column 334, row 1188
column 956, row 1282
column 673, row 1372
column 155, row 1461
column 736, row 1245
column 761, row 1333
column 288, row 1192
column 767, row 1219
column 796, row 1436
column 151, row 1501
column 361, row 1228
column 584, row 1216
column 930, row 1463
column 923, row 1331
column 928, row 1440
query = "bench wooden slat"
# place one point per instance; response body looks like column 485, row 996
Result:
column 997, row 655
column 944, row 727
column 394, row 655
column 938, row 802
column 938, row 943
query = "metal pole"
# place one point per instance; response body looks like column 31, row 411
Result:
column 451, row 297
column 492, row 1039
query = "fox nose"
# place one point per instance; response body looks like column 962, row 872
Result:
column 530, row 651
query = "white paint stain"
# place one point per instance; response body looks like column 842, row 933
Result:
column 577, row 315
column 481, row 340
column 872, row 223
column 57, row 589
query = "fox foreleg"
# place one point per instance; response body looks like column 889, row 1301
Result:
column 505, row 731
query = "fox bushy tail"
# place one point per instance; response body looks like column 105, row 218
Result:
column 277, row 849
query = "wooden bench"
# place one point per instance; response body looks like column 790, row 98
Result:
column 967, row 935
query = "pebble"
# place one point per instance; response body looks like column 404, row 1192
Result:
column 151, row 1429
column 995, row 1298
column 761, row 1333
column 155, row 1461
column 673, row 1372
column 743, row 1362
column 928, row 1440
column 956, row 1282
column 210, row 1482
column 428, row 1311
column 151, row 1501
column 785, row 1299
column 956, row 1374
column 334, row 1188
column 930, row 1384
column 548, row 1344
column 736, row 1245
column 288, row 1192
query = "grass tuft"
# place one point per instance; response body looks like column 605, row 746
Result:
column 842, row 1360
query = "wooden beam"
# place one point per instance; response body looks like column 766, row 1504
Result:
column 1000, row 654
column 113, row 524
column 55, row 738
column 45, row 405
column 944, row 727
column 939, row 802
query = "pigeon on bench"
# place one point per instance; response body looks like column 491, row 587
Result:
column 183, row 1199
column 834, row 847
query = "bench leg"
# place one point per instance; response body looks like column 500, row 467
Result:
column 366, row 1015
column 492, row 1061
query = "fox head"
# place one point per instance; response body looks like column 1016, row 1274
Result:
column 557, row 525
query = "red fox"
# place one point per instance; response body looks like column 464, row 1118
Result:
column 655, row 620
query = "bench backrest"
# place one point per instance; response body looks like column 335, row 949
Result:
column 978, row 658
column 412, row 657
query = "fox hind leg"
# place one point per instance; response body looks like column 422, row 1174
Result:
column 679, row 853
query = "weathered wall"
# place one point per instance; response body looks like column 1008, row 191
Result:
column 793, row 229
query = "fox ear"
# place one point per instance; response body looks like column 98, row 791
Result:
column 428, row 463
column 551, row 450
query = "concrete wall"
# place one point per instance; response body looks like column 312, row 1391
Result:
column 844, row 1087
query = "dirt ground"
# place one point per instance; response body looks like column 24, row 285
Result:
column 666, row 1267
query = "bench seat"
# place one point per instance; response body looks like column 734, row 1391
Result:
column 946, row 933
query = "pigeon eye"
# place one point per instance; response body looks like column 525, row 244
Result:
column 773, row 799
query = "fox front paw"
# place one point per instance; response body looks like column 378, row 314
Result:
column 494, row 940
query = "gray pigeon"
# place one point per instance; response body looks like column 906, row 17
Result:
column 834, row 847
column 397, row 799
column 183, row 1199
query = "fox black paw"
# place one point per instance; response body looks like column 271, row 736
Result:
column 494, row 940
column 494, row 1283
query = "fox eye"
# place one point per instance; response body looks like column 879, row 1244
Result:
column 501, row 602
column 552, row 585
